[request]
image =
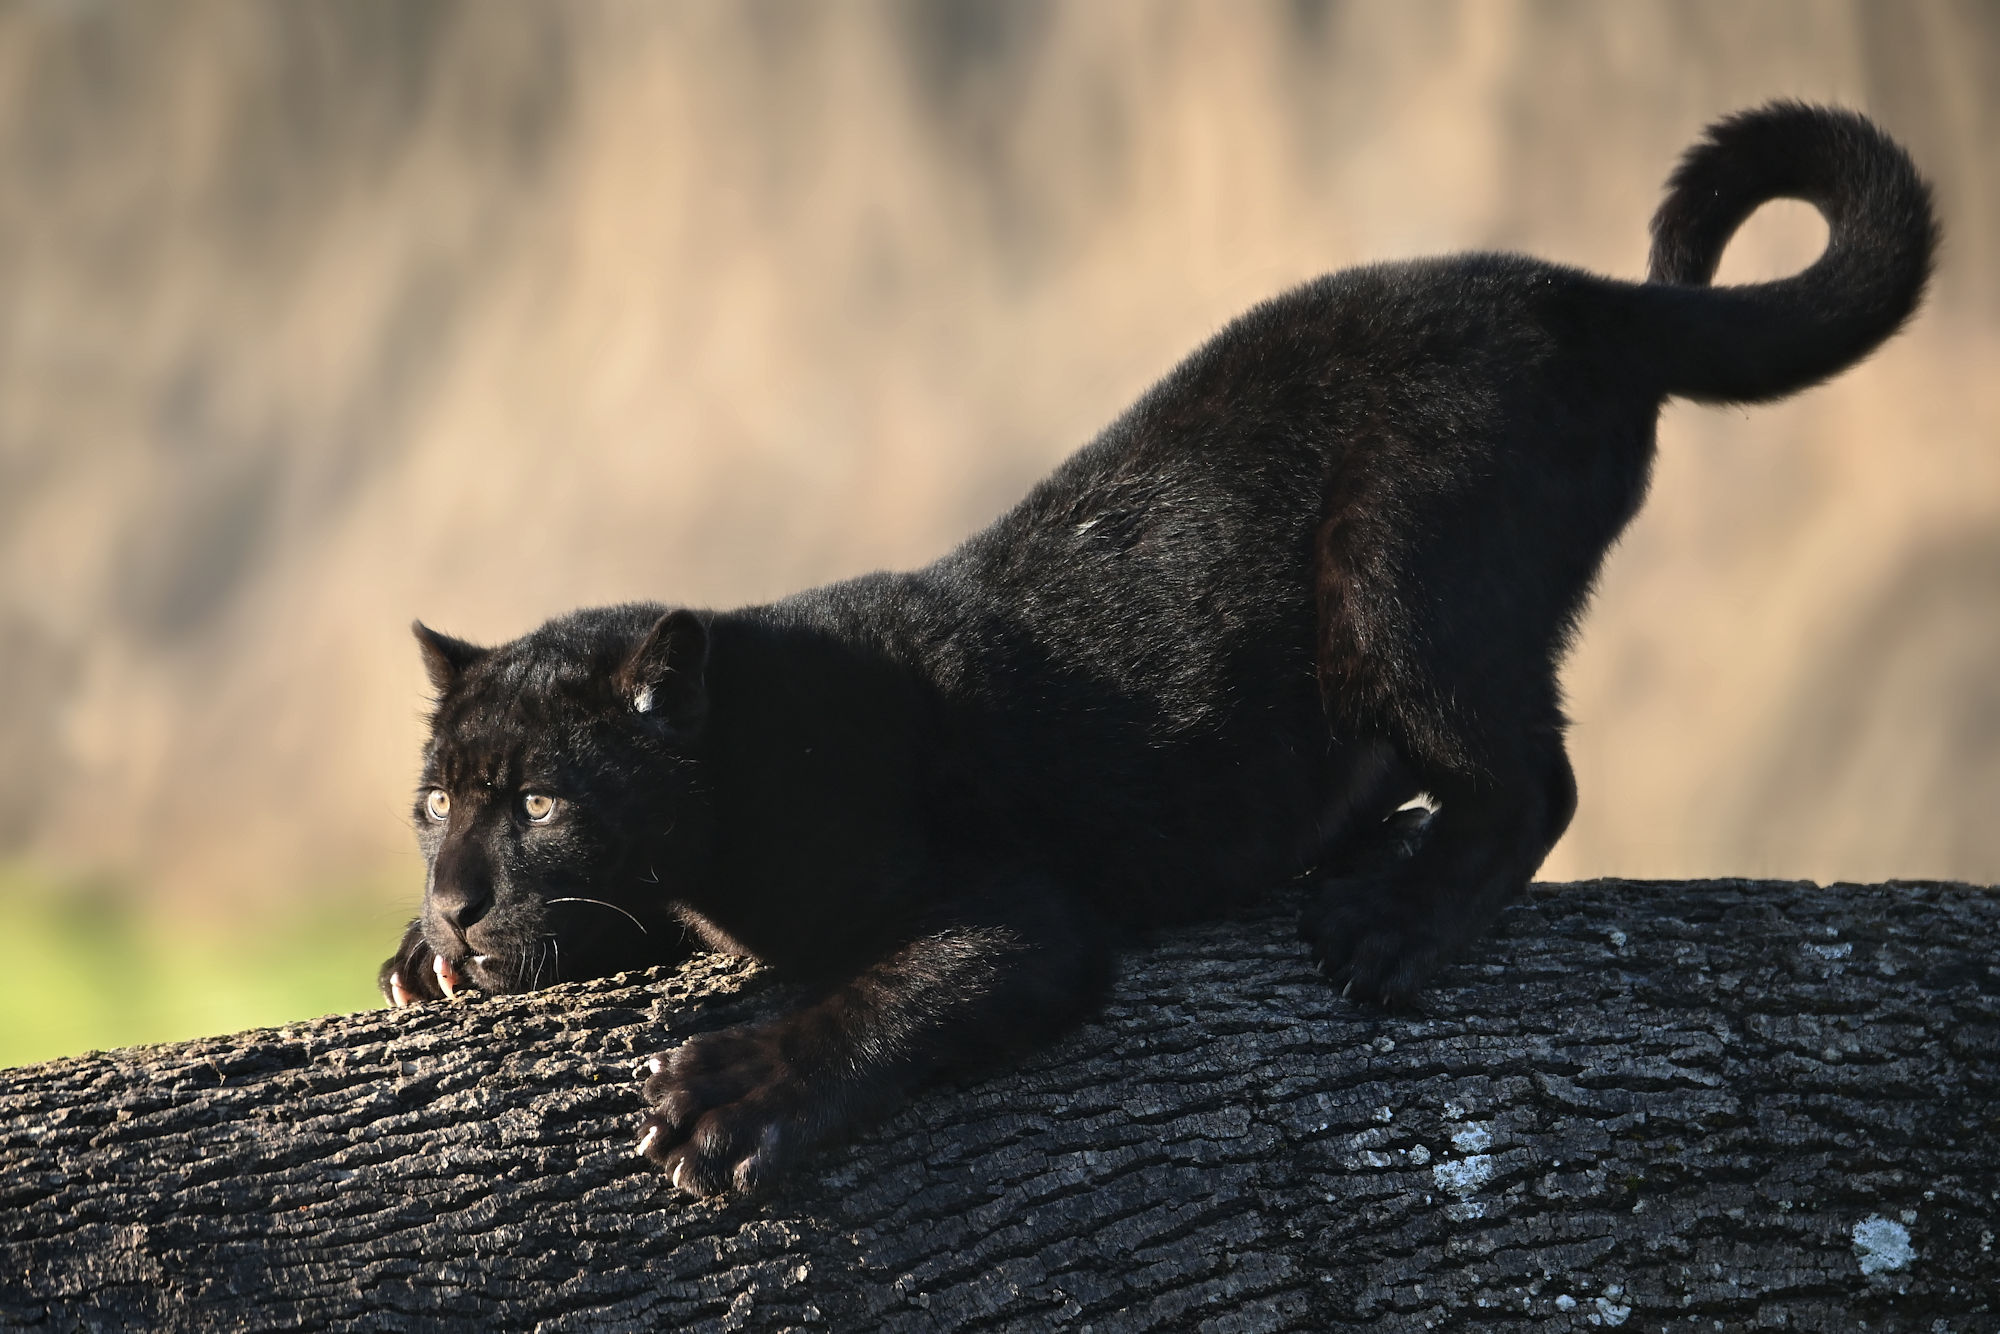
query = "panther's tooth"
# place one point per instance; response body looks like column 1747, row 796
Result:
column 447, row 976
column 399, row 995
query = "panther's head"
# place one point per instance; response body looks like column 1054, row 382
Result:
column 559, row 797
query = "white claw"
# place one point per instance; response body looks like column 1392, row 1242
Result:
column 677, row 1173
column 646, row 1140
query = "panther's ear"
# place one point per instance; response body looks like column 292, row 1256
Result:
column 445, row 658
column 666, row 673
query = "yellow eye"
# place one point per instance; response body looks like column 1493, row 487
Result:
column 538, row 807
column 438, row 805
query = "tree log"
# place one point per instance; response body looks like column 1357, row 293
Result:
column 1720, row 1104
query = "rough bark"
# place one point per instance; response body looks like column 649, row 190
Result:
column 1708, row 1105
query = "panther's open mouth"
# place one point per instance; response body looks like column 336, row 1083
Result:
column 478, row 972
column 452, row 978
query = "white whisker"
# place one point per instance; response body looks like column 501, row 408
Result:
column 602, row 904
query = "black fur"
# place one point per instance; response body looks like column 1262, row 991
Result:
column 1326, row 565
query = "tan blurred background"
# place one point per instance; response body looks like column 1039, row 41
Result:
column 315, row 317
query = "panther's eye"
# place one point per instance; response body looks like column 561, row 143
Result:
column 539, row 807
column 438, row 805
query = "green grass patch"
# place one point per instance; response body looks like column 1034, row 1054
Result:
column 92, row 969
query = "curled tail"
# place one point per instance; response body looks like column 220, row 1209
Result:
column 1743, row 344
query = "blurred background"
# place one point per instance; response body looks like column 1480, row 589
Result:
column 317, row 316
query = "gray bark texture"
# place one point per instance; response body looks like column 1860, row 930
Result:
column 1710, row 1105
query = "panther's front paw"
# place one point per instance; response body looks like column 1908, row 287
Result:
column 1375, row 950
column 416, row 972
column 728, row 1111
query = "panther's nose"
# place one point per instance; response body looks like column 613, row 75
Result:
column 461, row 905
column 461, row 888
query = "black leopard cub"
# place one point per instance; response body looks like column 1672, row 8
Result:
column 1327, row 564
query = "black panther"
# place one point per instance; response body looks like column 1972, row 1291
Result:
column 1325, row 567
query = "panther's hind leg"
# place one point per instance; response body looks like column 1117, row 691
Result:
column 1380, row 926
column 1381, row 845
column 1371, row 824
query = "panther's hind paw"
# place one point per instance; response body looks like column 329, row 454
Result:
column 1376, row 954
